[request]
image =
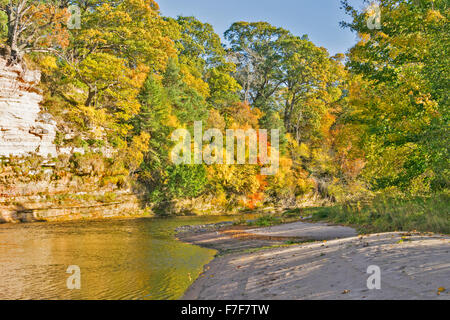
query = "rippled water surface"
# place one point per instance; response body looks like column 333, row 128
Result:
column 119, row 259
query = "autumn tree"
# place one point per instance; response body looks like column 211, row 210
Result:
column 168, row 102
column 101, row 72
column 285, row 74
column 311, row 84
column 33, row 26
column 401, row 105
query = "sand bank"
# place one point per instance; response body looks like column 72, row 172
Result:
column 412, row 265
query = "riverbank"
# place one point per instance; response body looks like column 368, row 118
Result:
column 71, row 207
column 292, row 261
column 109, row 204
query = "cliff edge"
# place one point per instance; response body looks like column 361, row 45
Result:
column 23, row 127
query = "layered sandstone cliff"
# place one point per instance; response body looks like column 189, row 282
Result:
column 23, row 127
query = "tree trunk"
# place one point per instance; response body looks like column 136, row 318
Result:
column 14, row 12
column 288, row 116
column 90, row 97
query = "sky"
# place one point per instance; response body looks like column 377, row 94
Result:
column 319, row 19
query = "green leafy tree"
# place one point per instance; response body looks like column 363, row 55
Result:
column 403, row 106
column 201, row 50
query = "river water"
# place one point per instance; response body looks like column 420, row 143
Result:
column 118, row 259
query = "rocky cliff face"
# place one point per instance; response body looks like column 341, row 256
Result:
column 23, row 127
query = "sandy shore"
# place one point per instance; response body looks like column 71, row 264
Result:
column 413, row 265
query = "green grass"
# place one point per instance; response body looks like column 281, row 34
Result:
column 268, row 220
column 286, row 244
column 382, row 214
column 385, row 214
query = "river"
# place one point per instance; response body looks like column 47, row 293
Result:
column 118, row 259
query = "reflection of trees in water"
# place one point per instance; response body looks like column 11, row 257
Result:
column 122, row 259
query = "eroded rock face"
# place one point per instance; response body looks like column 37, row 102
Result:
column 23, row 127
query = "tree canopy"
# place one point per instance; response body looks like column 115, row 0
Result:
column 373, row 120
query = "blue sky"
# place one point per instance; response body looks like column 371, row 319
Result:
column 319, row 19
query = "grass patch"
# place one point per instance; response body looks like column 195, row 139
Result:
column 386, row 214
column 286, row 244
column 269, row 220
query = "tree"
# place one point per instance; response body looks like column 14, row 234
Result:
column 257, row 53
column 284, row 73
column 403, row 106
column 168, row 103
column 311, row 83
column 201, row 51
column 101, row 72
column 34, row 26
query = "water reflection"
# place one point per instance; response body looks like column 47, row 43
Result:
column 119, row 259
